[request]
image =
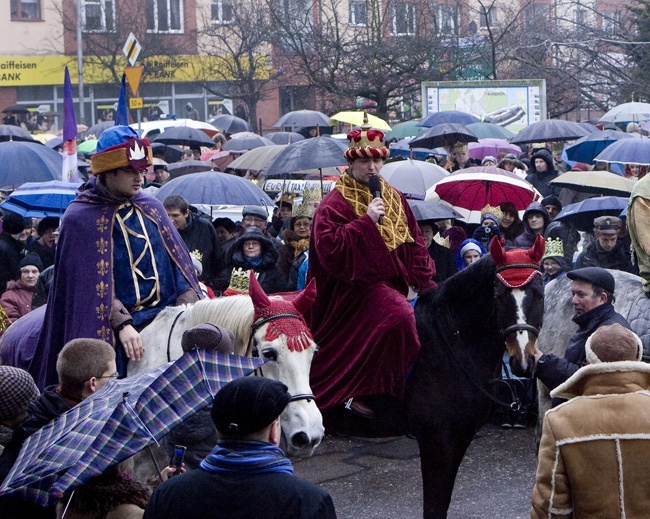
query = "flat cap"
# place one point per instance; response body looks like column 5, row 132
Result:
column 608, row 223
column 594, row 275
column 248, row 405
column 17, row 390
column 255, row 210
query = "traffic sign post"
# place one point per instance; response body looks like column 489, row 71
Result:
column 135, row 103
column 133, row 74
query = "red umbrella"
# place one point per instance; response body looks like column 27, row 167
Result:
column 469, row 190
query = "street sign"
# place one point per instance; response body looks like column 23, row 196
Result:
column 132, row 49
column 135, row 102
column 133, row 77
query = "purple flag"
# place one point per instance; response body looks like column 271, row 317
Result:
column 122, row 114
column 70, row 172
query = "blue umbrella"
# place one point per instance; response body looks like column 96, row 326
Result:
column 401, row 149
column 448, row 116
column 627, row 151
column 116, row 422
column 284, row 137
column 582, row 214
column 27, row 162
column 9, row 132
column 41, row 199
column 213, row 188
column 587, row 148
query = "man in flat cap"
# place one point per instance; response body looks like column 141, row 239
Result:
column 608, row 401
column 246, row 475
column 607, row 251
column 119, row 259
column 592, row 295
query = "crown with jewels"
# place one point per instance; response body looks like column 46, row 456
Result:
column 442, row 241
column 311, row 197
column 492, row 212
column 366, row 143
column 554, row 248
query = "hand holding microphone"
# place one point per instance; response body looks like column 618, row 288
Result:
column 374, row 185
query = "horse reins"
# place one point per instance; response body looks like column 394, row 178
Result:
column 253, row 351
column 169, row 337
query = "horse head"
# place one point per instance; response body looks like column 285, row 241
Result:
column 280, row 334
column 519, row 298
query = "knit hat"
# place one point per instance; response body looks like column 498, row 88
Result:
column 488, row 158
column 208, row 336
column 121, row 147
column 552, row 200
column 31, row 259
column 579, row 166
column 471, row 246
column 13, row 223
column 249, row 404
column 613, row 343
column 17, row 390
column 366, row 143
column 254, row 210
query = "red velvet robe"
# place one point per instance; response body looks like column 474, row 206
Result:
column 361, row 320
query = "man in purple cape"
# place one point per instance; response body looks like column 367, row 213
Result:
column 366, row 251
column 119, row 259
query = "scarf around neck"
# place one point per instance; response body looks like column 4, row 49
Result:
column 246, row 457
column 394, row 229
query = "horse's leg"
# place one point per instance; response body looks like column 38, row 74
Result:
column 440, row 458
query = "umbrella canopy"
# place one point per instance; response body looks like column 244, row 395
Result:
column 302, row 119
column 230, row 123
column 491, row 147
column 442, row 135
column 412, row 177
column 582, row 214
column 27, row 162
column 207, row 128
column 88, row 146
column 98, row 129
column 184, row 136
column 628, row 112
column 587, row 148
column 118, row 421
column 551, row 130
column 490, row 131
column 469, row 190
column 402, row 149
column 592, row 129
column 258, row 158
column 9, row 132
column 356, row 119
column 170, row 153
column 448, row 116
column 245, row 141
column 429, row 210
column 284, row 137
column 54, row 143
column 406, row 129
column 317, row 152
column 185, row 167
column 627, row 151
column 41, row 199
column 599, row 182
column 15, row 109
column 214, row 188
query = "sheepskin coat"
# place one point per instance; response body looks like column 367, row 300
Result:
column 594, row 451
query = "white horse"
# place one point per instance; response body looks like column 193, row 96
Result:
column 270, row 327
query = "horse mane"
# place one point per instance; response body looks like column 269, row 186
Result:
column 232, row 312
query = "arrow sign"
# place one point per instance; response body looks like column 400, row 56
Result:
column 132, row 49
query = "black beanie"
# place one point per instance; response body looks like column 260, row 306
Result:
column 31, row 259
column 13, row 223
column 248, row 405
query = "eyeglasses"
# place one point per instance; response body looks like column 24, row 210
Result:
column 252, row 219
column 131, row 171
column 114, row 375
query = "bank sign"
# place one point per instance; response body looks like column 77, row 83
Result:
column 48, row 70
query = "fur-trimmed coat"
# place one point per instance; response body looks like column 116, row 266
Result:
column 594, row 451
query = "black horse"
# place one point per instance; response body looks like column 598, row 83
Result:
column 464, row 329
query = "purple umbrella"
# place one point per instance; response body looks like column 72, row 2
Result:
column 491, row 147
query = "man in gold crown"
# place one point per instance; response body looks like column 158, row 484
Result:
column 119, row 260
column 366, row 251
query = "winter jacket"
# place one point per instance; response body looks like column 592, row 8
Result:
column 594, row 450
column 288, row 264
column 17, row 300
column 541, row 181
column 527, row 239
column 268, row 273
column 10, row 256
column 45, row 254
column 199, row 235
column 444, row 260
column 595, row 256
column 553, row 370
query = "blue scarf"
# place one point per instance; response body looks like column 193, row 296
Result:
column 249, row 457
column 255, row 262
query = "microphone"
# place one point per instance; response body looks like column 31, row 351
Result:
column 375, row 188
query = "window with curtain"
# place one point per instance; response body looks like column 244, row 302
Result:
column 25, row 9
column 98, row 15
column 164, row 16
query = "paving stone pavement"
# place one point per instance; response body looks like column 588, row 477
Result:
column 380, row 478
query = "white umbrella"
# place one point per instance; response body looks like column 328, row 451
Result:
column 412, row 177
column 628, row 112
